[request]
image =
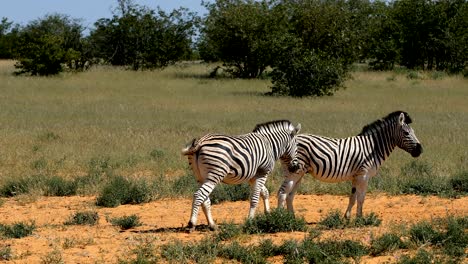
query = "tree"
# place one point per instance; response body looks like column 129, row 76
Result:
column 141, row 38
column 47, row 44
column 242, row 34
column 8, row 37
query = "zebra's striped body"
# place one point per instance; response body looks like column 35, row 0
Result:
column 355, row 159
column 216, row 158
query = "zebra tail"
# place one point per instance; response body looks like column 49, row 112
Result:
column 191, row 148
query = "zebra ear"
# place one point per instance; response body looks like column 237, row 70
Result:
column 296, row 129
column 401, row 119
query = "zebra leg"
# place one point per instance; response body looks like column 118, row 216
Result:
column 290, row 198
column 358, row 192
column 199, row 198
column 257, row 184
column 206, row 206
column 265, row 195
column 289, row 185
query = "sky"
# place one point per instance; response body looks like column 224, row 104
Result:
column 24, row 11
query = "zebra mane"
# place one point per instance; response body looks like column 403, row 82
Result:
column 378, row 123
column 284, row 123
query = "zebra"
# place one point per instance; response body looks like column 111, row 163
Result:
column 355, row 159
column 216, row 158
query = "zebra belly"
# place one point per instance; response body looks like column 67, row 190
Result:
column 332, row 179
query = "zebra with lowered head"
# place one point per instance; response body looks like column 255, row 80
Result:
column 354, row 159
column 216, row 158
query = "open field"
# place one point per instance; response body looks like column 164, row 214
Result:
column 134, row 124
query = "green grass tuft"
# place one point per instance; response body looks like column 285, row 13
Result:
column 17, row 230
column 120, row 190
column 83, row 218
column 333, row 220
column 126, row 222
column 230, row 193
column 385, row 244
column 278, row 220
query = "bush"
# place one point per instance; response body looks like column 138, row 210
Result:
column 231, row 193
column 120, row 190
column 419, row 179
column 5, row 253
column 333, row 220
column 386, row 243
column 228, row 231
column 278, row 220
column 57, row 186
column 48, row 43
column 83, row 218
column 459, row 182
column 203, row 252
column 242, row 254
column 368, row 220
column 126, row 222
column 185, row 185
column 304, row 73
column 17, row 230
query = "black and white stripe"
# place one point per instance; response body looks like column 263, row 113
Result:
column 216, row 158
column 355, row 159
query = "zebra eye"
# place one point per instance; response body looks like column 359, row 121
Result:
column 406, row 133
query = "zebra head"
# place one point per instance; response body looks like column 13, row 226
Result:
column 282, row 135
column 406, row 138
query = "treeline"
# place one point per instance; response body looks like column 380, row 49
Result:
column 309, row 44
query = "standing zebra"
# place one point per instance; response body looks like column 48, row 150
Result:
column 251, row 157
column 355, row 159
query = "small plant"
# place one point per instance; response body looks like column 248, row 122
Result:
column 121, row 191
column 386, row 243
column 5, row 253
column 333, row 220
column 228, row 231
column 53, row 257
column 157, row 154
column 126, row 222
column 278, row 220
column 185, row 185
column 145, row 253
column 242, row 254
column 459, row 182
column 83, row 218
column 419, row 179
column 421, row 257
column 368, row 220
column 423, row 233
column 413, row 75
column 203, row 252
column 17, row 230
column 57, row 186
column 226, row 192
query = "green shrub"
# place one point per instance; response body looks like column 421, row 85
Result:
column 57, row 186
column 5, row 253
column 333, row 220
column 423, row 233
column 185, row 186
column 343, row 249
column 421, row 257
column 278, row 220
column 126, row 222
column 120, row 190
column 203, row 252
column 459, row 182
column 16, row 186
column 17, row 230
column 419, row 179
column 231, row 193
column 157, row 154
column 145, row 253
column 83, row 218
column 368, row 220
column 302, row 73
column 228, row 231
column 455, row 239
column 413, row 75
column 242, row 254
column 386, row 243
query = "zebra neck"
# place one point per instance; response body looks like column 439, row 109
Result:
column 383, row 145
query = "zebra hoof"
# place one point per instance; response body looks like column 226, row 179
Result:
column 190, row 227
column 213, row 228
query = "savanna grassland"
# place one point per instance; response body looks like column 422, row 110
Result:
column 111, row 122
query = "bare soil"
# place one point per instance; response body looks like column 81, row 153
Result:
column 163, row 222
